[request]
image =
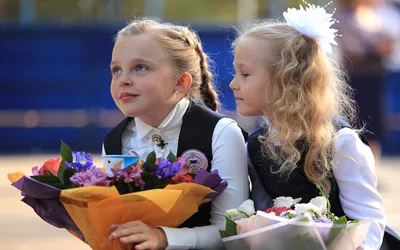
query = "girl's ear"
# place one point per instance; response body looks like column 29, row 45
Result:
column 184, row 82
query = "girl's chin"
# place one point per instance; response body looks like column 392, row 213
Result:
column 246, row 112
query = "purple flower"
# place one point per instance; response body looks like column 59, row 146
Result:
column 91, row 177
column 129, row 175
column 81, row 162
column 323, row 220
column 167, row 169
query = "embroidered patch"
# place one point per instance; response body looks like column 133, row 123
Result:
column 195, row 159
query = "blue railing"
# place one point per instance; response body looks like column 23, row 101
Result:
column 54, row 85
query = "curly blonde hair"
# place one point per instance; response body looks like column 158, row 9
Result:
column 306, row 90
column 185, row 50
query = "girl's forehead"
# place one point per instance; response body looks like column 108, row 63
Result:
column 143, row 46
column 248, row 41
column 255, row 49
column 251, row 48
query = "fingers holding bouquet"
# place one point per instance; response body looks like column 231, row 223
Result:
column 140, row 235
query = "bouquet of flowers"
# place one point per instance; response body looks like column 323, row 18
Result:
column 290, row 224
column 71, row 192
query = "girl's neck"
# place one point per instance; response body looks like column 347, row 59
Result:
column 155, row 118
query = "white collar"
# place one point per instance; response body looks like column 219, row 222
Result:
column 271, row 129
column 173, row 119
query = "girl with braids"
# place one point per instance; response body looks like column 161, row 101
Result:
column 159, row 72
column 286, row 72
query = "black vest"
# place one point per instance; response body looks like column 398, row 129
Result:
column 298, row 185
column 295, row 185
column 196, row 133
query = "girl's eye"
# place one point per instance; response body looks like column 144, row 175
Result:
column 245, row 75
column 116, row 70
column 141, row 68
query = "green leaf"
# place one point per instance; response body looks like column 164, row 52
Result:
column 335, row 231
column 297, row 201
column 151, row 158
column 147, row 177
column 66, row 156
column 291, row 216
column 305, row 219
column 223, row 234
column 171, row 157
column 151, row 167
column 59, row 186
column 61, row 170
column 47, row 179
column 66, row 152
column 122, row 187
column 161, row 185
column 192, row 174
column 341, row 220
column 68, row 173
column 51, row 180
column 230, row 228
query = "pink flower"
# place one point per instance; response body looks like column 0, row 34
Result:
column 91, row 177
column 184, row 168
column 37, row 171
column 246, row 225
column 129, row 175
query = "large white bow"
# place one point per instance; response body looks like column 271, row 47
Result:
column 314, row 22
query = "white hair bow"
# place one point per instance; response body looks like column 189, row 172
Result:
column 313, row 21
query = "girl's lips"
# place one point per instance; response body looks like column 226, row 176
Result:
column 124, row 97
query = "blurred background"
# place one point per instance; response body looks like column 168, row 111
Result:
column 54, row 83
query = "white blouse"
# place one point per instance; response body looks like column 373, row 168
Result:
column 229, row 158
column 354, row 170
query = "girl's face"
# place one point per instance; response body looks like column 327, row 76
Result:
column 143, row 83
column 251, row 79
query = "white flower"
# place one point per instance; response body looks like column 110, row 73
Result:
column 321, row 203
column 283, row 201
column 303, row 208
column 314, row 22
column 247, row 207
column 233, row 212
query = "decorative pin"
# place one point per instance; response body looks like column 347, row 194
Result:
column 195, row 159
column 159, row 141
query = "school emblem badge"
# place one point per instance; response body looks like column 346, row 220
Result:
column 195, row 159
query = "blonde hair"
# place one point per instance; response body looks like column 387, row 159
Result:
column 186, row 53
column 307, row 89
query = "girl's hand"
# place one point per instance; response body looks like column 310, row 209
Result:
column 140, row 235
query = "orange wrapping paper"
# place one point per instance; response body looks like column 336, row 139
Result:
column 95, row 209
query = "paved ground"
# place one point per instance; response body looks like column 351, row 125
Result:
column 21, row 229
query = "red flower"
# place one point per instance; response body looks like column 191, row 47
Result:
column 182, row 179
column 277, row 210
column 50, row 166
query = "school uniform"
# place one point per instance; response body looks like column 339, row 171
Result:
column 212, row 142
column 354, row 183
